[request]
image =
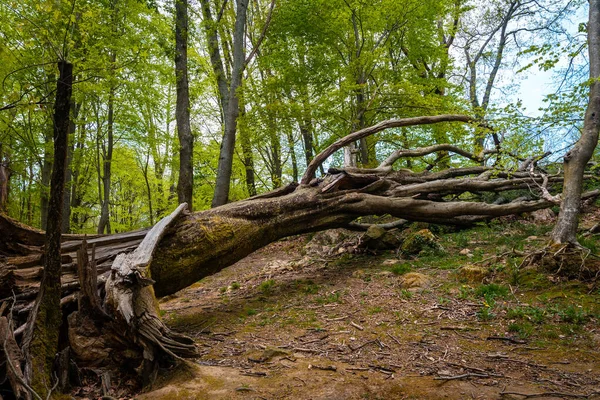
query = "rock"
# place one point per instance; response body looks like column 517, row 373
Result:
column 414, row 281
column 544, row 216
column 327, row 242
column 360, row 274
column 266, row 355
column 472, row 273
column 374, row 232
column 377, row 238
column 418, row 241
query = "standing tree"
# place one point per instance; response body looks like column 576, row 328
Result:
column 575, row 161
column 43, row 326
column 228, row 95
column 182, row 112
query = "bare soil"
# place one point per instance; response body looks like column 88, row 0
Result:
column 284, row 324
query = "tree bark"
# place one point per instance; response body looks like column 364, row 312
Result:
column 66, row 217
column 186, row 139
column 565, row 230
column 41, row 337
column 104, row 223
column 45, row 182
column 4, row 180
column 248, row 157
column 292, row 151
column 232, row 109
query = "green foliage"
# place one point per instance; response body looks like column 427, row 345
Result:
column 401, row 269
column 324, row 69
column 572, row 314
column 536, row 315
column 524, row 330
column 267, row 286
column 329, row 298
column 491, row 291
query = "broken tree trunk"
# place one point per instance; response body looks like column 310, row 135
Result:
column 128, row 329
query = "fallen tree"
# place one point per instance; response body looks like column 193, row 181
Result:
column 114, row 319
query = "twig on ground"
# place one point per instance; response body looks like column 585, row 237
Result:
column 362, row 345
column 507, row 339
column 357, row 326
column 323, row 368
column 552, row 394
column 462, row 376
column 253, row 373
column 394, row 339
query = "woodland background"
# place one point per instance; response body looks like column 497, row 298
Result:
column 311, row 72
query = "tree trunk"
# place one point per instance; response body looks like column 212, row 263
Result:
column 66, row 217
column 186, row 139
column 248, row 156
column 231, row 112
column 45, row 183
column 41, row 337
column 4, row 180
column 575, row 161
column 292, row 151
column 104, row 223
column 76, row 195
column 274, row 151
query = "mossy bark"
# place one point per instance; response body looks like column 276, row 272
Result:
column 201, row 244
column 42, row 334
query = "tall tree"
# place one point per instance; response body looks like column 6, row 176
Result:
column 576, row 159
column 228, row 91
column 186, row 139
column 42, row 334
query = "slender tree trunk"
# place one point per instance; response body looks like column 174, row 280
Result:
column 45, row 183
column 292, row 151
column 66, row 217
column 275, row 152
column 148, row 188
column 565, row 230
column 104, row 223
column 307, row 140
column 76, row 196
column 42, row 334
column 231, row 112
column 4, row 180
column 186, row 139
column 247, row 155
column 360, row 119
column 29, row 202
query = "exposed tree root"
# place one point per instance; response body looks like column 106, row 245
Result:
column 569, row 260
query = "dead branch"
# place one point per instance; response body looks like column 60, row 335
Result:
column 392, row 123
column 398, row 154
column 551, row 394
column 463, row 376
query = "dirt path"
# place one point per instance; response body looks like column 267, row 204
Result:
column 281, row 324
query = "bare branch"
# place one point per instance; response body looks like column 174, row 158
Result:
column 388, row 162
column 392, row 123
column 262, row 34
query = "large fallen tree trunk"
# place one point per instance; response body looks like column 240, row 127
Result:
column 186, row 247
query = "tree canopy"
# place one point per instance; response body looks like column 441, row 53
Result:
column 312, row 72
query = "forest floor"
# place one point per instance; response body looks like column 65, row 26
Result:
column 465, row 321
